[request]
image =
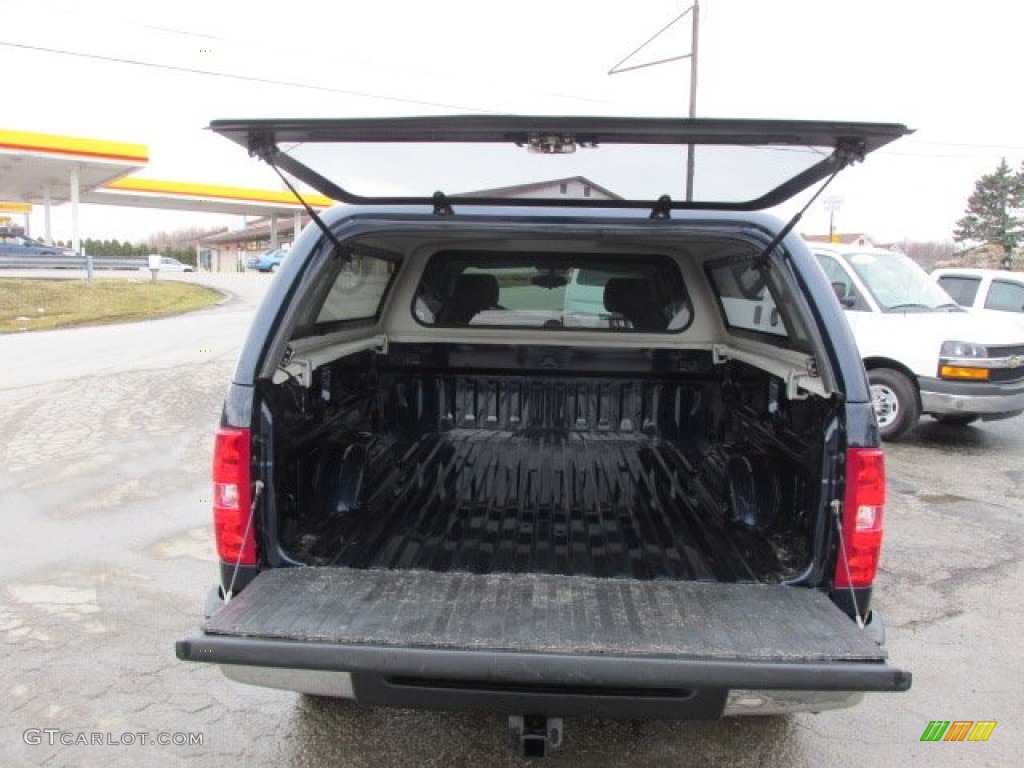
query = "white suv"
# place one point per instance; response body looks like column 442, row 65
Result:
column 924, row 354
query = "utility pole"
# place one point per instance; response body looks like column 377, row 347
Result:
column 832, row 204
column 692, row 56
column 693, row 97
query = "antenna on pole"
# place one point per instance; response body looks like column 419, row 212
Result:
column 692, row 56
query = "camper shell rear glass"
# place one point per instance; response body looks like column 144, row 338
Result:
column 562, row 161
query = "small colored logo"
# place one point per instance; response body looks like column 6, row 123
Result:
column 958, row 730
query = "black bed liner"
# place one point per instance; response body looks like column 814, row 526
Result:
column 585, row 502
column 530, row 613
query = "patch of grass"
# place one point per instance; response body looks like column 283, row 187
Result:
column 33, row 304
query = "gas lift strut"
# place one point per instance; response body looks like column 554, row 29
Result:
column 265, row 148
column 845, row 155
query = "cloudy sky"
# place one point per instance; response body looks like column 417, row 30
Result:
column 157, row 73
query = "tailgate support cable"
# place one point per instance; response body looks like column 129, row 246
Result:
column 257, row 488
column 837, row 513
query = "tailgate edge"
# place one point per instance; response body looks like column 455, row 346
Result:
column 550, row 668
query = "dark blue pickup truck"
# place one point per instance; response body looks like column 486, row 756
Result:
column 591, row 442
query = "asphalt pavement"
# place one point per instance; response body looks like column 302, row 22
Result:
column 108, row 554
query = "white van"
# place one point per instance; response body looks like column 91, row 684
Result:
column 924, row 354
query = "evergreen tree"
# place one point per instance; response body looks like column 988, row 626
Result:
column 990, row 216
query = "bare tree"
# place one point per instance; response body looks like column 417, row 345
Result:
column 928, row 253
column 186, row 236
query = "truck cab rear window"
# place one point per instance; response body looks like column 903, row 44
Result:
column 578, row 291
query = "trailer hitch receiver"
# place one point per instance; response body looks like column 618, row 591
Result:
column 535, row 735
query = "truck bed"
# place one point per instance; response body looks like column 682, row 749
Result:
column 547, row 501
column 545, row 614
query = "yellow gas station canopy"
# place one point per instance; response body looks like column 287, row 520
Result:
column 213, row 198
column 36, row 167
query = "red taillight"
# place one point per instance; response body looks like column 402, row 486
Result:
column 236, row 542
column 862, row 518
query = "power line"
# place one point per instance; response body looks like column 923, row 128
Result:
column 344, row 60
column 966, row 145
column 244, row 78
column 951, row 155
column 278, row 47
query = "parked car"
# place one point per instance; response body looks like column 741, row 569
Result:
column 169, row 264
column 924, row 354
column 13, row 243
column 268, row 261
column 609, row 456
column 992, row 292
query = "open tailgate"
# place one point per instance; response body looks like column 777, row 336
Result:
column 545, row 629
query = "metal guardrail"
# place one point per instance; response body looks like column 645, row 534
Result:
column 70, row 262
